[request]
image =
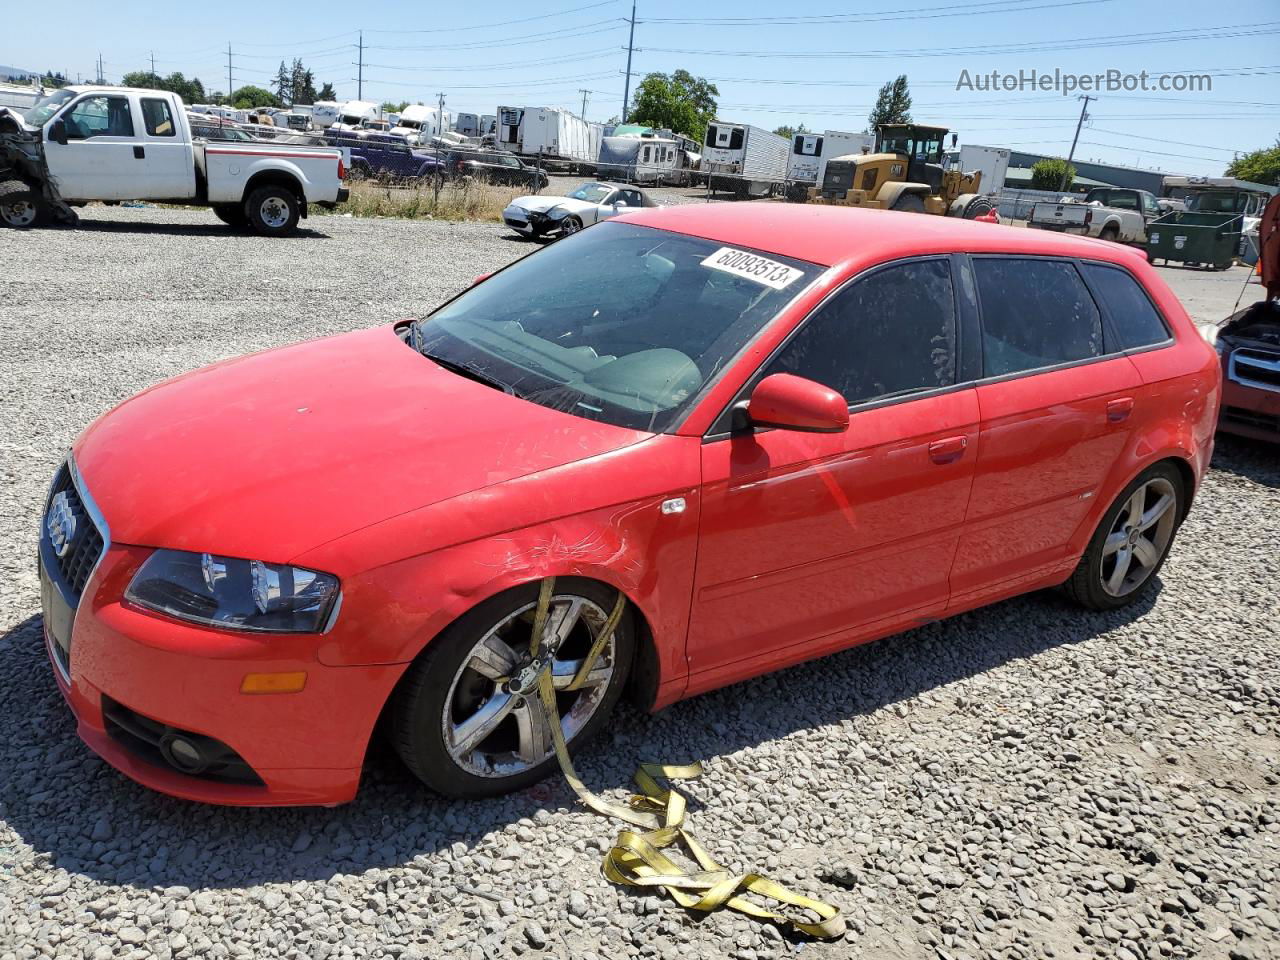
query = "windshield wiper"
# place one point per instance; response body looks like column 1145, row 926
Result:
column 462, row 369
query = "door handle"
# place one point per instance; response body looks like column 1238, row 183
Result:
column 947, row 450
column 139, row 153
column 1119, row 409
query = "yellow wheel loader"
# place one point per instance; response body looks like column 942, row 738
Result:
column 904, row 172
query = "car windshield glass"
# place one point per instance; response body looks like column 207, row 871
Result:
column 622, row 323
column 46, row 107
column 590, row 192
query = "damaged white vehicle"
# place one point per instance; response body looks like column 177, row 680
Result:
column 543, row 215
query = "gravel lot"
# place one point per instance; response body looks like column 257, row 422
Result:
column 1023, row 781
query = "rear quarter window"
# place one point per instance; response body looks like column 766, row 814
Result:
column 1133, row 316
column 1035, row 314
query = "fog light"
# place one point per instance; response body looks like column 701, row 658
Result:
column 182, row 754
column 273, row 682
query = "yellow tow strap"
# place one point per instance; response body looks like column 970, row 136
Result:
column 637, row 858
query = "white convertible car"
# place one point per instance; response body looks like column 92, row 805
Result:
column 542, row 215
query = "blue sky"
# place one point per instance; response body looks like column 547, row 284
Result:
column 819, row 64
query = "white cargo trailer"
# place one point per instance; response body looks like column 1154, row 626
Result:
column 746, row 160
column 467, row 124
column 555, row 134
column 991, row 162
column 810, row 152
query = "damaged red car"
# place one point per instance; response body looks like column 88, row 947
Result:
column 772, row 432
column 1249, row 344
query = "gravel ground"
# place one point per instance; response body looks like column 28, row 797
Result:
column 1023, row 781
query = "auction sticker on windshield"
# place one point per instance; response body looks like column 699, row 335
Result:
column 740, row 263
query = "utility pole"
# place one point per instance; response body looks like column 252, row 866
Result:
column 101, row 78
column 583, row 114
column 153, row 63
column 230, row 86
column 1084, row 115
column 631, row 42
column 360, row 66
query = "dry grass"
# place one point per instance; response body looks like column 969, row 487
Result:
column 455, row 200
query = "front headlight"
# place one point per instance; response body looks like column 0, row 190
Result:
column 233, row 593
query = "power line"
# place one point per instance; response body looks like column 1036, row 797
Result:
column 578, row 30
column 506, row 23
column 913, row 13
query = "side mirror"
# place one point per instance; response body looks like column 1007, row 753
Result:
column 789, row 402
column 58, row 131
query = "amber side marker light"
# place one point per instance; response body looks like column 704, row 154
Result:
column 273, row 682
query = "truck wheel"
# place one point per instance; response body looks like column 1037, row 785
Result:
column 1109, row 232
column 908, row 203
column 273, row 211
column 232, row 214
column 20, row 205
column 977, row 207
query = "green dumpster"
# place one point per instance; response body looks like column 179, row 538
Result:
column 1196, row 239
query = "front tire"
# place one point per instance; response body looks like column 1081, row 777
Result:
column 570, row 226
column 20, row 205
column 908, row 203
column 1131, row 543
column 273, row 211
column 454, row 719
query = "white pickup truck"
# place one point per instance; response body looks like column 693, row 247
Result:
column 1119, row 214
column 121, row 143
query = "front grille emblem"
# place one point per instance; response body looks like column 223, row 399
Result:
column 60, row 523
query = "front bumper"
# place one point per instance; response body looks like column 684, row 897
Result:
column 518, row 218
column 1248, row 410
column 300, row 748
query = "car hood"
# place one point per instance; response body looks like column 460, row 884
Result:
column 544, row 204
column 276, row 453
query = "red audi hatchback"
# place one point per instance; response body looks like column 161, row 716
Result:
column 776, row 431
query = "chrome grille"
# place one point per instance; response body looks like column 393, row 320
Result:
column 86, row 546
column 1255, row 369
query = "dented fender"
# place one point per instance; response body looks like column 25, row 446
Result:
column 596, row 518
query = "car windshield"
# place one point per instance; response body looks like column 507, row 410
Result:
column 623, row 323
column 46, row 107
column 590, row 192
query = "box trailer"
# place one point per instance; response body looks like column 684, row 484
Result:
column 745, row 160
column 807, row 163
column 643, row 160
column 559, row 137
column 991, row 162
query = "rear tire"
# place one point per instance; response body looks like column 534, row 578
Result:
column 273, row 211
column 908, row 203
column 1109, row 233
column 1095, row 583
column 978, row 207
column 232, row 214
column 21, row 206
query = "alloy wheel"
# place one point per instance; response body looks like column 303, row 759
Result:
column 1139, row 537
column 493, row 722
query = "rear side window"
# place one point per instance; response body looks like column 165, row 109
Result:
column 1136, row 321
column 156, row 116
column 891, row 333
column 1035, row 313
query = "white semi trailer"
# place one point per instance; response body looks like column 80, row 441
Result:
column 559, row 137
column 745, row 160
column 992, row 162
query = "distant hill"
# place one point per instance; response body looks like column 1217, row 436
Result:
column 17, row 72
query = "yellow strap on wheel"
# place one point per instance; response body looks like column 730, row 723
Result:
column 637, row 859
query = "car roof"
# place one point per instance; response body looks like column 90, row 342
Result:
column 831, row 235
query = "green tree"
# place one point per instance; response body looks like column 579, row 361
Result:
column 893, row 104
column 389, row 107
column 790, row 132
column 1260, row 166
column 327, row 93
column 282, row 85
column 191, row 91
column 245, row 98
column 1048, row 174
column 679, row 101
column 302, row 84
